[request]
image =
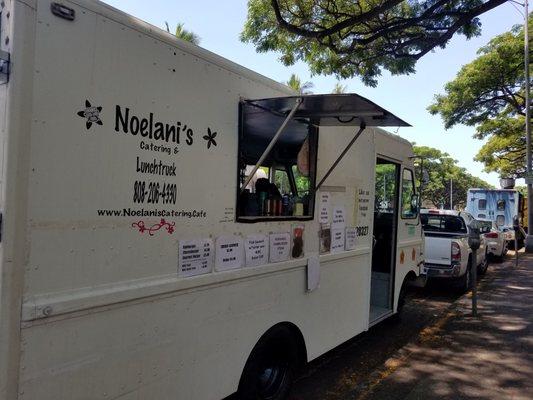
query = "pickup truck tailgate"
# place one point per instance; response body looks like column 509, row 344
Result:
column 438, row 250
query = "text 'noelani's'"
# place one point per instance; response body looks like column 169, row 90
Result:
column 151, row 129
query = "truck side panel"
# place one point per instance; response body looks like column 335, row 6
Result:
column 17, row 38
column 105, row 314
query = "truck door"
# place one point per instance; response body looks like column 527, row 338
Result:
column 385, row 237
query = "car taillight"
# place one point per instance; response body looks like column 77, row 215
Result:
column 456, row 252
column 492, row 235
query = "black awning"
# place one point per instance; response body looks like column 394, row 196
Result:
column 328, row 110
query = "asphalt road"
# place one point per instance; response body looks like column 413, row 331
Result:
column 348, row 370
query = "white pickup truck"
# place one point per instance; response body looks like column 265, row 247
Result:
column 447, row 254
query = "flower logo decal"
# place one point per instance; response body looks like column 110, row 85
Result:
column 91, row 114
column 210, row 137
column 151, row 229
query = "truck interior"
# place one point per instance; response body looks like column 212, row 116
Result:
column 283, row 185
column 384, row 241
column 278, row 140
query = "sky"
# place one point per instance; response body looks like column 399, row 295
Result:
column 219, row 23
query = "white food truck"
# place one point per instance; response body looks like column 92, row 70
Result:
column 176, row 226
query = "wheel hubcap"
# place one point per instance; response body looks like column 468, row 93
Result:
column 271, row 379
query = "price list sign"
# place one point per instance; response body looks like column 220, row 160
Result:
column 195, row 257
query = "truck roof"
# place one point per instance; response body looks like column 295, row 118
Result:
column 158, row 33
column 491, row 190
column 393, row 136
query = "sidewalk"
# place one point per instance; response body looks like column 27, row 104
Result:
column 461, row 357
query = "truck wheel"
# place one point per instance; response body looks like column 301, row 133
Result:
column 465, row 282
column 504, row 250
column 401, row 302
column 270, row 369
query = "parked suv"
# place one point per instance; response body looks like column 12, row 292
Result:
column 447, row 254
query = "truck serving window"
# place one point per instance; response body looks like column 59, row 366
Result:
column 482, row 204
column 283, row 187
column 279, row 136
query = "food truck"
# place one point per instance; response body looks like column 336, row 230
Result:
column 176, row 226
column 500, row 206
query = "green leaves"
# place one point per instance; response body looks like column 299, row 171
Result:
column 489, row 93
column 505, row 151
column 184, row 34
column 442, row 169
column 296, row 84
column 349, row 38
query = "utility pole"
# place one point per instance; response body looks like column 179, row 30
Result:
column 529, row 177
column 451, row 193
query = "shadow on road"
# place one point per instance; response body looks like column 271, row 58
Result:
column 343, row 371
column 489, row 357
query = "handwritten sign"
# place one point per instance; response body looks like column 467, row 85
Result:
column 195, row 257
column 229, row 253
column 351, row 235
column 339, row 218
column 325, row 207
column 256, row 248
column 280, row 245
column 337, row 240
column 362, row 210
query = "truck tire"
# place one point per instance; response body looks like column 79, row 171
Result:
column 270, row 368
column 464, row 283
column 504, row 250
column 401, row 302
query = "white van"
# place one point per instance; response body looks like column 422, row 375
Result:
column 156, row 242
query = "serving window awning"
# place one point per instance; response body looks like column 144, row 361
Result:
column 325, row 110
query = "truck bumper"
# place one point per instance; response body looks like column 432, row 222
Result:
column 442, row 271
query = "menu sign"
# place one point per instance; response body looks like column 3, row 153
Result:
column 195, row 257
column 229, row 253
column 280, row 245
column 256, row 248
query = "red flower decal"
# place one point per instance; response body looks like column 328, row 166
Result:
column 141, row 227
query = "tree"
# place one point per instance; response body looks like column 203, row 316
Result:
column 297, row 85
column 184, row 34
column 489, row 93
column 505, row 152
column 443, row 172
column 339, row 88
column 349, row 38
